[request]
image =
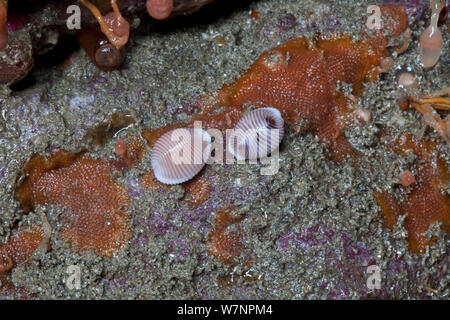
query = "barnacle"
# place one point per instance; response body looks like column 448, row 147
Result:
column 426, row 201
column 108, row 129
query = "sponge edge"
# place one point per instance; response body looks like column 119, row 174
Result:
column 180, row 154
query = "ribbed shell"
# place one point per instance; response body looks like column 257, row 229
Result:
column 257, row 127
column 167, row 159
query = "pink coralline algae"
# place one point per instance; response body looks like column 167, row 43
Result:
column 350, row 261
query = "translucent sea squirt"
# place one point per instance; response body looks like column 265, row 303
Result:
column 431, row 38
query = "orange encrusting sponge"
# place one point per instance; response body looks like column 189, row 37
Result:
column 300, row 78
column 425, row 201
column 20, row 247
column 226, row 244
column 95, row 217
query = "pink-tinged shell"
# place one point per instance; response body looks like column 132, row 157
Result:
column 180, row 154
column 262, row 132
